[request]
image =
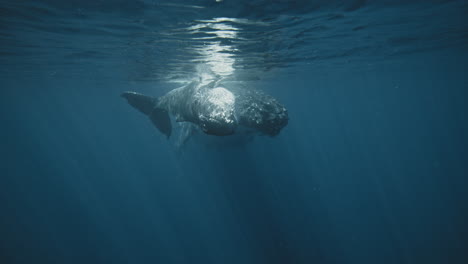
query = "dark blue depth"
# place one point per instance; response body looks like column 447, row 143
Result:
column 372, row 167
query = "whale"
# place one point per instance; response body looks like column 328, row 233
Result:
column 214, row 109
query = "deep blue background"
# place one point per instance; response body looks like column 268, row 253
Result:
column 372, row 167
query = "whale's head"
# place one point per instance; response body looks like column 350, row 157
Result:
column 216, row 113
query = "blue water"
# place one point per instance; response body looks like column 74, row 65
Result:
column 372, row 167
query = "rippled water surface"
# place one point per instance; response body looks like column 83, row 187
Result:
column 164, row 40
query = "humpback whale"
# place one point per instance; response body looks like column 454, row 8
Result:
column 214, row 109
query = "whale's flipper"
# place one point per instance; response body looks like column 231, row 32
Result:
column 143, row 103
column 161, row 120
column 147, row 105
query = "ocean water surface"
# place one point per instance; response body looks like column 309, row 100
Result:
column 371, row 168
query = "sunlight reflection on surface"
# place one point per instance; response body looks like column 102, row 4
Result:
column 217, row 55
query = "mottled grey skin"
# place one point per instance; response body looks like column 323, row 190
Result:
column 216, row 110
column 260, row 112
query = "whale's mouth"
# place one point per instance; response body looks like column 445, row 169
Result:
column 219, row 127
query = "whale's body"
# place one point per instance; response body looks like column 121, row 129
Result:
column 215, row 110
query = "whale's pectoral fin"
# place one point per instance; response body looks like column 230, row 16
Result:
column 143, row 103
column 146, row 105
column 162, row 121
